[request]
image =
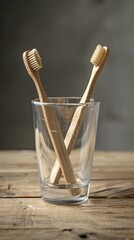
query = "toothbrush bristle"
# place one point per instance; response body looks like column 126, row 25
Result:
column 97, row 56
column 34, row 59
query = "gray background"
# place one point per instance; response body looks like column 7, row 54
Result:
column 66, row 32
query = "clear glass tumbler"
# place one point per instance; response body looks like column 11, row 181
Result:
column 80, row 152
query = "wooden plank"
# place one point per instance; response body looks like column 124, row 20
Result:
column 112, row 189
column 27, row 185
column 107, row 165
column 108, row 216
column 19, row 185
column 66, row 234
column 105, row 172
column 101, row 158
column 114, row 158
column 20, row 157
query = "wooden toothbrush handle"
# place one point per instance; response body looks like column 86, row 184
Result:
column 59, row 147
column 78, row 117
column 52, row 126
column 58, row 143
column 69, row 141
column 75, row 124
column 73, row 130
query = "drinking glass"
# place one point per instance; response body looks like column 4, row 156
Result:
column 81, row 153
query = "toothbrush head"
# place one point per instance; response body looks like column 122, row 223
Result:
column 98, row 55
column 34, row 60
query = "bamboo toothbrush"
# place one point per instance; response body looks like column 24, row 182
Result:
column 33, row 63
column 98, row 60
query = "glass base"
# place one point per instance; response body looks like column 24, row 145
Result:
column 61, row 194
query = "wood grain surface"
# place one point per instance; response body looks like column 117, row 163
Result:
column 108, row 214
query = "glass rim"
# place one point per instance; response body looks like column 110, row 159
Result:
column 92, row 102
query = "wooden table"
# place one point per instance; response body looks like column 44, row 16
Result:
column 109, row 213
